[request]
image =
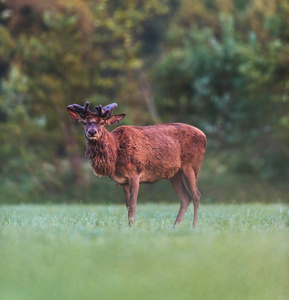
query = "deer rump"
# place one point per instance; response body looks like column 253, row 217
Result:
column 153, row 152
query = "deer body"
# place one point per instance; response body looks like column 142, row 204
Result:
column 131, row 155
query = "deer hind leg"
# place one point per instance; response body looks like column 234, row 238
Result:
column 178, row 184
column 191, row 180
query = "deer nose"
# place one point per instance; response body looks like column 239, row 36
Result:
column 91, row 132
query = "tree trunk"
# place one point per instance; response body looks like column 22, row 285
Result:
column 149, row 98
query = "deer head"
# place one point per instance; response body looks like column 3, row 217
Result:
column 94, row 122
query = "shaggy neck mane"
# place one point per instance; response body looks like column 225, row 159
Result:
column 102, row 154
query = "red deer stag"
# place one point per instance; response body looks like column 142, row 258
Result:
column 131, row 155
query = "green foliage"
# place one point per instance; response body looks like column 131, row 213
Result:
column 232, row 86
column 72, row 52
column 221, row 65
column 88, row 252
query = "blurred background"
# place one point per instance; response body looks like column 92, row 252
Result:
column 220, row 65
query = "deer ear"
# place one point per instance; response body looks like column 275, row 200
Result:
column 115, row 119
column 75, row 116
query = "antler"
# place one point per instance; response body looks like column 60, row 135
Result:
column 105, row 112
column 102, row 112
column 82, row 110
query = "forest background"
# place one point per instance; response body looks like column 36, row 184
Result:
column 220, row 65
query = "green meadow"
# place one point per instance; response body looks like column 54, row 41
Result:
column 87, row 252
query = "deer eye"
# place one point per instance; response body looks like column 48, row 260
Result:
column 84, row 123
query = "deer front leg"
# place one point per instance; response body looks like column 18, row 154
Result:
column 126, row 194
column 133, row 193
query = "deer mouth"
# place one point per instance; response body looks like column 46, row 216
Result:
column 93, row 138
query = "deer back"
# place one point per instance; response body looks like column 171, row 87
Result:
column 159, row 149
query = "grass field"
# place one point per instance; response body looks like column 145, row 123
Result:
column 88, row 252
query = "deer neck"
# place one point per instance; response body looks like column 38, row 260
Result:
column 102, row 154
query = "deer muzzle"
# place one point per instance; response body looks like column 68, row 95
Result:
column 92, row 134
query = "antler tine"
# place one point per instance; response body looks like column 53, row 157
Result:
column 99, row 110
column 86, row 106
column 97, row 113
column 82, row 110
column 108, row 110
column 105, row 112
